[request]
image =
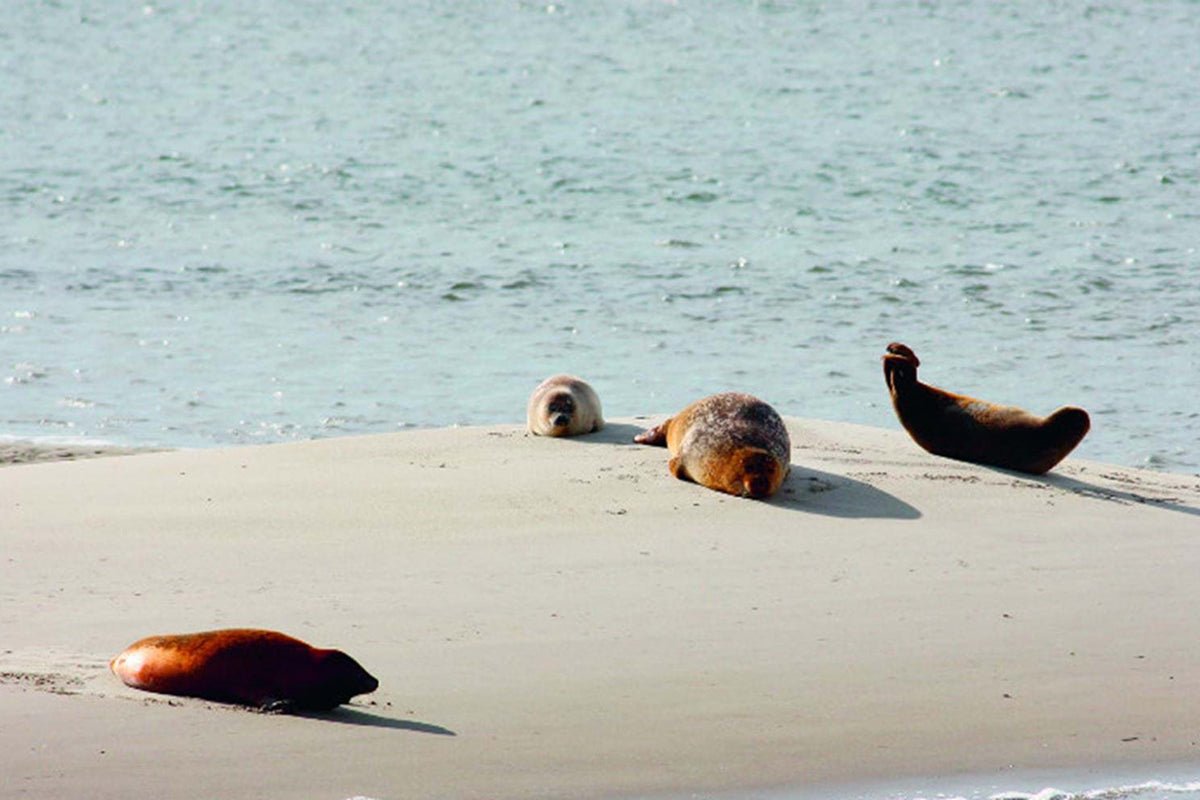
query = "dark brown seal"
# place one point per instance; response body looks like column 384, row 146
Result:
column 961, row 427
column 266, row 669
column 730, row 442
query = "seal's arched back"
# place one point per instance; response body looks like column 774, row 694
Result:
column 967, row 429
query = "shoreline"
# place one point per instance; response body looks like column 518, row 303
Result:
column 562, row 618
column 1086, row 782
column 16, row 451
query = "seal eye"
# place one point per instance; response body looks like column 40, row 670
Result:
column 561, row 404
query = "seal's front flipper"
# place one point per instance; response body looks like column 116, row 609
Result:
column 679, row 470
column 655, row 437
column 270, row 706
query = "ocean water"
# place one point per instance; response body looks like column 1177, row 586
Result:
column 1173, row 782
column 1075, row 787
column 1059, row 785
column 975, row 788
column 247, row 222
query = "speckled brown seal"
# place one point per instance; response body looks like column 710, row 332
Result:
column 963, row 428
column 265, row 669
column 564, row 405
column 730, row 442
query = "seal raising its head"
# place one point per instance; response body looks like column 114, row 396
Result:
column 730, row 442
column 564, row 405
column 961, row 427
column 265, row 669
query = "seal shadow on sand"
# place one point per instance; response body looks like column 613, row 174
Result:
column 91, row 677
column 817, row 492
column 804, row 489
column 1110, row 494
column 355, row 716
column 611, row 433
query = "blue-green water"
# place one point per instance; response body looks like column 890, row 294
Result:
column 227, row 222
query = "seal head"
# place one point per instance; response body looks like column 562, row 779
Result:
column 563, row 405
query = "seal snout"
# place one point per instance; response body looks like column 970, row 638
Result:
column 757, row 486
column 761, row 474
column 367, row 683
column 562, row 420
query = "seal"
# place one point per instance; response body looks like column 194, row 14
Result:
column 265, row 669
column 730, row 442
column 967, row 429
column 563, row 405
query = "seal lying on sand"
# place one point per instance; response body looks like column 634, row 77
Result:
column 961, row 427
column 266, row 669
column 564, row 405
column 730, row 442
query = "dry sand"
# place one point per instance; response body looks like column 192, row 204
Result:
column 561, row 618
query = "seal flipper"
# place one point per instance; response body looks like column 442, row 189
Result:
column 679, row 470
column 272, row 706
column 655, row 437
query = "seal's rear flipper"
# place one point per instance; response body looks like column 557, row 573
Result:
column 656, row 436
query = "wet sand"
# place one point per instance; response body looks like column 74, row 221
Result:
column 24, row 451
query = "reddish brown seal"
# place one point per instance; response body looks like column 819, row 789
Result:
column 961, row 427
column 730, row 442
column 266, row 669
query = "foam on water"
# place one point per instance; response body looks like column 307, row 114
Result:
column 1150, row 790
column 991, row 787
column 1175, row 784
column 1147, row 790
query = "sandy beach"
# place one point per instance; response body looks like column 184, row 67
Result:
column 561, row 618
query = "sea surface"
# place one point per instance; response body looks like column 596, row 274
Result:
column 1082, row 784
column 227, row 222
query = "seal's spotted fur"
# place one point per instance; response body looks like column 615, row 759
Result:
column 730, row 442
